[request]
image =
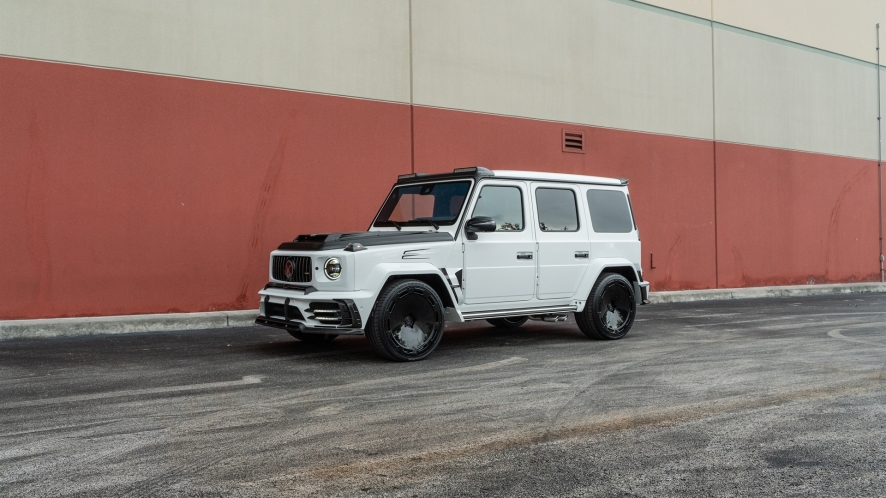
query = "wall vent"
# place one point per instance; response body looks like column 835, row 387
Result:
column 574, row 141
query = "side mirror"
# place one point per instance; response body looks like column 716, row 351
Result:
column 479, row 224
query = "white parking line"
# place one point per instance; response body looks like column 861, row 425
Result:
column 246, row 380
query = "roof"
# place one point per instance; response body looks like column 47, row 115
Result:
column 479, row 172
column 558, row 177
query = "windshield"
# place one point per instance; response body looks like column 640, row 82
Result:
column 426, row 204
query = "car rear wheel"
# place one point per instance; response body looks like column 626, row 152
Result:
column 609, row 312
column 510, row 322
column 406, row 322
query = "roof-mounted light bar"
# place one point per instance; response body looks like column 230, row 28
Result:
column 624, row 181
column 474, row 169
column 410, row 175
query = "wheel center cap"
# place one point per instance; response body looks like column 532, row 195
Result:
column 409, row 321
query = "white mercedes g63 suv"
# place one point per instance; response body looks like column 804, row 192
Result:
column 474, row 244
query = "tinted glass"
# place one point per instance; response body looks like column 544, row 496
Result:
column 419, row 204
column 557, row 211
column 610, row 212
column 502, row 204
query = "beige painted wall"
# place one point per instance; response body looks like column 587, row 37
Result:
column 883, row 109
column 776, row 94
column 346, row 47
column 698, row 8
column 595, row 62
column 842, row 26
column 611, row 63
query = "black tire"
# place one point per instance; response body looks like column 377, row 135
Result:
column 312, row 338
column 610, row 310
column 510, row 322
column 411, row 307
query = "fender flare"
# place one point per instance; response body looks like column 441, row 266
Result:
column 596, row 268
column 426, row 272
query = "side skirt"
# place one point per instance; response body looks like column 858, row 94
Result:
column 483, row 315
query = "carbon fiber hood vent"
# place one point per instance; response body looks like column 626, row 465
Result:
column 327, row 241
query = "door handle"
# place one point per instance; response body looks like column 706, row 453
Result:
column 524, row 255
column 582, row 254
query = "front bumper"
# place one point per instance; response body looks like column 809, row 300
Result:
column 641, row 292
column 310, row 312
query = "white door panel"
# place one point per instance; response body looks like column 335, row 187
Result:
column 500, row 266
column 563, row 245
column 494, row 274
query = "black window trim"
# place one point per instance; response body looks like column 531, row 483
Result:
column 577, row 209
column 631, row 209
column 522, row 204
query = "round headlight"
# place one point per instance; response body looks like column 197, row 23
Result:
column 332, row 268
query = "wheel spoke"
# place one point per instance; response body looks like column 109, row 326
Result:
column 615, row 307
column 613, row 320
column 411, row 321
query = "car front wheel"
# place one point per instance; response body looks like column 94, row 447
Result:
column 609, row 312
column 407, row 321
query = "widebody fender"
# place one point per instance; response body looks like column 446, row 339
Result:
column 599, row 266
column 383, row 272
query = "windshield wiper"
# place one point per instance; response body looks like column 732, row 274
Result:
column 396, row 225
column 426, row 220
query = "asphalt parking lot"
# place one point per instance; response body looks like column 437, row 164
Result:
column 735, row 398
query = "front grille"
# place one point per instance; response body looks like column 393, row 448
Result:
column 301, row 268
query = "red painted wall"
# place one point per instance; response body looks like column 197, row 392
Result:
column 671, row 178
column 123, row 192
column 787, row 217
column 128, row 193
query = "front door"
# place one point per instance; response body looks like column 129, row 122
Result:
column 500, row 266
column 563, row 244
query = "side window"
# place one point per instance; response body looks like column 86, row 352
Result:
column 557, row 210
column 502, row 204
column 610, row 212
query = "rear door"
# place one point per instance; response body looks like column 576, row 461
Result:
column 563, row 244
column 613, row 231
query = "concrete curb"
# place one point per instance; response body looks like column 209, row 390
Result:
column 758, row 292
column 127, row 324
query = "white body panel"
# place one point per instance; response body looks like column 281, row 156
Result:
column 481, row 278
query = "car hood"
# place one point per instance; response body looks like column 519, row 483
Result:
column 327, row 241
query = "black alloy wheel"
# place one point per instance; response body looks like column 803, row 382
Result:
column 312, row 338
column 510, row 322
column 610, row 310
column 407, row 321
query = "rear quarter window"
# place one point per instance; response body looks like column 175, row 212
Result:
column 610, row 211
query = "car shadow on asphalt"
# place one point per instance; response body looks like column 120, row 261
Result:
column 460, row 336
